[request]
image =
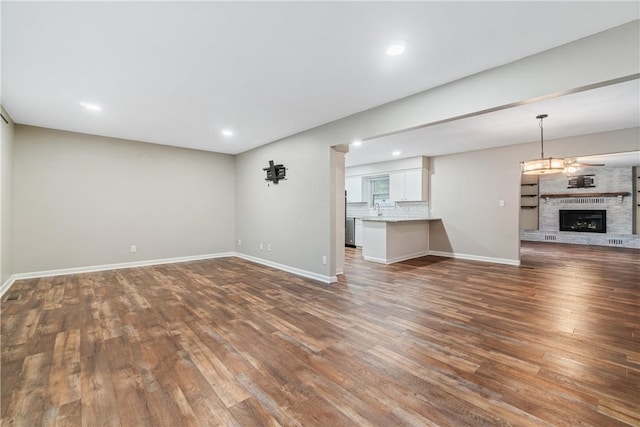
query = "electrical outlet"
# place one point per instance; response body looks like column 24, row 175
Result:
column 269, row 247
column 324, row 260
column 501, row 203
column 261, row 246
column 133, row 248
column 239, row 242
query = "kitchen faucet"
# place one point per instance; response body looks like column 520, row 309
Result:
column 377, row 206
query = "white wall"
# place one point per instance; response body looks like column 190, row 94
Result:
column 305, row 231
column 466, row 189
column 82, row 200
column 6, row 199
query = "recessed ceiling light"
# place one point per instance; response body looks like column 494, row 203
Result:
column 357, row 143
column 226, row 132
column 396, row 48
column 397, row 153
column 90, row 106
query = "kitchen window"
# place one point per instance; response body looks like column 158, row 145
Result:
column 379, row 191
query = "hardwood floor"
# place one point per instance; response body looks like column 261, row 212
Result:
column 431, row 341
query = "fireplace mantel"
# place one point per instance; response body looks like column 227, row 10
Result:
column 571, row 195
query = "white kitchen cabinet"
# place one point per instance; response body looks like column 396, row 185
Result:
column 413, row 187
column 353, row 185
column 396, row 186
column 407, row 185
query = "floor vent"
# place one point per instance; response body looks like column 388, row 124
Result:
column 14, row 296
column 550, row 237
column 616, row 242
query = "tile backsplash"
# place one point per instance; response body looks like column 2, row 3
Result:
column 401, row 210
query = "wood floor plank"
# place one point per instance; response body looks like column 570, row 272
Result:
column 200, row 396
column 127, row 382
column 99, row 405
column 26, row 407
column 64, row 376
column 429, row 341
column 250, row 413
column 222, row 381
column 66, row 415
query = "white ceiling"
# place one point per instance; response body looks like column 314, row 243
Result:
column 598, row 110
column 177, row 73
column 613, row 160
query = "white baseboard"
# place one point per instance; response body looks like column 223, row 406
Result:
column 299, row 272
column 374, row 259
column 396, row 259
column 93, row 268
column 406, row 257
column 118, row 266
column 6, row 285
column 289, row 269
column 515, row 262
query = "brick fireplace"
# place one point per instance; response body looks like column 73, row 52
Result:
column 601, row 214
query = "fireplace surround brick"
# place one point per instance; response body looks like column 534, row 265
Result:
column 619, row 209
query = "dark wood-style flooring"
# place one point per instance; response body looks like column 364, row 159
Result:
column 431, row 341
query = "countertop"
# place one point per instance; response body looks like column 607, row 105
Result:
column 395, row 219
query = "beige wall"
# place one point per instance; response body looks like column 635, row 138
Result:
column 466, row 189
column 293, row 216
column 6, row 199
column 83, row 200
column 339, row 210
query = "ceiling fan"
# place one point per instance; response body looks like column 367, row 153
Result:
column 572, row 165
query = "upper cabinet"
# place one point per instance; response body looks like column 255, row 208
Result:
column 410, row 185
column 353, row 186
column 385, row 183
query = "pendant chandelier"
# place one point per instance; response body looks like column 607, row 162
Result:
column 543, row 165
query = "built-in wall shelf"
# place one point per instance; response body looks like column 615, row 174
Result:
column 529, row 189
column 568, row 195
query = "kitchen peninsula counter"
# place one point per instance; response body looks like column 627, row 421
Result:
column 387, row 240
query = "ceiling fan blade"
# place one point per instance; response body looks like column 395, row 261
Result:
column 592, row 164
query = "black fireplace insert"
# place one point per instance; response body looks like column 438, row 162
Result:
column 589, row 221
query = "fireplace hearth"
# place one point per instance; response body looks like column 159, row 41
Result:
column 585, row 221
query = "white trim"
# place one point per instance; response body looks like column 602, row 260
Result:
column 289, row 269
column 93, row 268
column 396, row 259
column 89, row 269
column 406, row 257
column 373, row 259
column 514, row 262
column 6, row 285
